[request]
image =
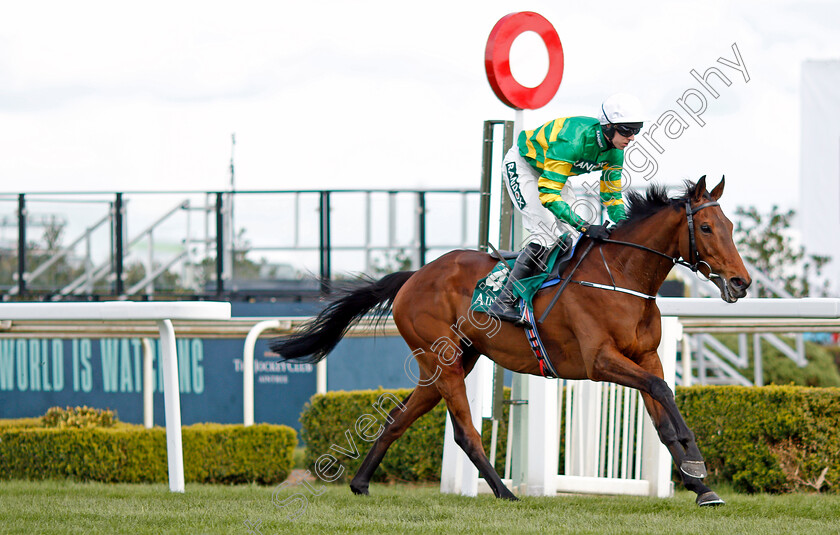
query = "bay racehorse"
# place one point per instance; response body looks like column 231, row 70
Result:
column 591, row 334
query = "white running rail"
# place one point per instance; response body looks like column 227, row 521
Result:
column 162, row 313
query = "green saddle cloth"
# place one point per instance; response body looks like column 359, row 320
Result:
column 488, row 289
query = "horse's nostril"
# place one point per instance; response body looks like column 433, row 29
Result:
column 739, row 283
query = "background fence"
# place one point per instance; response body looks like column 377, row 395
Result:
column 234, row 244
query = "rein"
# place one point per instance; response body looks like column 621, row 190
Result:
column 693, row 262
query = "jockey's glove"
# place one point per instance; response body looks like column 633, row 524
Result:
column 597, row 232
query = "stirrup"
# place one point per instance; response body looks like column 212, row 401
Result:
column 511, row 315
column 523, row 322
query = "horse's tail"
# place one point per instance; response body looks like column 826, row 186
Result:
column 319, row 336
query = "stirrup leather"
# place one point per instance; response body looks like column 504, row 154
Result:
column 546, row 367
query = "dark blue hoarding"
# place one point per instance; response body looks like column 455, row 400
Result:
column 36, row 374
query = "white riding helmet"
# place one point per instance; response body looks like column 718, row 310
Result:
column 621, row 108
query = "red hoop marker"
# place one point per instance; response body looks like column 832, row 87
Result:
column 497, row 61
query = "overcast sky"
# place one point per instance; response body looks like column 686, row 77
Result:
column 337, row 94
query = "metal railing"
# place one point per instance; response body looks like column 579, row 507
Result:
column 222, row 244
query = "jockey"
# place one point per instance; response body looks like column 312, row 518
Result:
column 536, row 169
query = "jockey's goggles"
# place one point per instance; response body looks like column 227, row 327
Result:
column 628, row 130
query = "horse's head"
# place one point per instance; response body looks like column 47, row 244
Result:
column 713, row 250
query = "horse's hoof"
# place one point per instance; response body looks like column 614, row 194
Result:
column 508, row 495
column 359, row 490
column 709, row 499
column 696, row 469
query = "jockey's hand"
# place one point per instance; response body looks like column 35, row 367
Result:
column 597, row 232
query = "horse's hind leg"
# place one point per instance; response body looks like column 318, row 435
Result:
column 451, row 386
column 421, row 400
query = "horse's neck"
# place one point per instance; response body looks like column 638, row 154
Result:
column 659, row 232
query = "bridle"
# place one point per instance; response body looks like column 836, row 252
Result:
column 693, row 254
column 693, row 263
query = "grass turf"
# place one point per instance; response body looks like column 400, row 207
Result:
column 68, row 507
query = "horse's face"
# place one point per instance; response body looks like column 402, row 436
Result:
column 719, row 258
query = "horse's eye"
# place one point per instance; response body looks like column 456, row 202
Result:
column 706, row 228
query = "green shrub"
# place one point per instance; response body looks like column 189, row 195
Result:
column 767, row 439
column 78, row 417
column 20, row 423
column 328, row 419
column 260, row 453
column 132, row 454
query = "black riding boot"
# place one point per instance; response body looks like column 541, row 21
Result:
column 528, row 263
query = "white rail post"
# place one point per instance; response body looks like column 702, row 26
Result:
column 543, row 447
column 583, row 431
column 172, row 402
column 518, row 433
column 248, row 366
column 148, row 384
column 453, row 458
column 321, row 377
column 687, row 379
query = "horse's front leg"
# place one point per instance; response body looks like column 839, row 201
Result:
column 677, row 449
column 647, row 377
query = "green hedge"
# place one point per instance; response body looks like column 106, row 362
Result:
column 416, row 456
column 761, row 439
column 767, row 439
column 20, row 423
column 213, row 453
column 78, row 417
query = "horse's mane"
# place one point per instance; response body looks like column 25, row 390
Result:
column 640, row 205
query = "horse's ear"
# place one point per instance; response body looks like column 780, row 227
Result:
column 700, row 189
column 718, row 191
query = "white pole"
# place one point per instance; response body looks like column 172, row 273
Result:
column 321, row 377
column 509, row 445
column 450, row 470
column 687, row 379
column 494, row 436
column 518, row 435
column 172, row 405
column 148, row 384
column 757, row 363
column 542, row 448
column 248, row 367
